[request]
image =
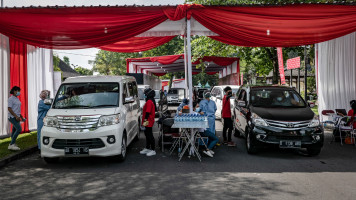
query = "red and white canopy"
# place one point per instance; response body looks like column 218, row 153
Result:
column 161, row 65
column 121, row 28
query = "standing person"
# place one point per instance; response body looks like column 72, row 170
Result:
column 226, row 115
column 42, row 112
column 14, row 116
column 208, row 107
column 148, row 119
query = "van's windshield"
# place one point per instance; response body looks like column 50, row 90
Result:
column 268, row 98
column 87, row 95
column 177, row 92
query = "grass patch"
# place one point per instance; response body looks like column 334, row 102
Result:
column 315, row 109
column 24, row 141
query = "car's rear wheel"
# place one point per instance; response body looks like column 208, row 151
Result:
column 50, row 160
column 250, row 144
column 314, row 151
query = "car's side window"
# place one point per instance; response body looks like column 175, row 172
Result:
column 213, row 92
column 130, row 87
column 124, row 92
column 221, row 93
column 134, row 89
column 242, row 96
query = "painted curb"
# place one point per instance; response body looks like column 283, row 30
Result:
column 20, row 154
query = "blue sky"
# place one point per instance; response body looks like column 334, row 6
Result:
column 81, row 57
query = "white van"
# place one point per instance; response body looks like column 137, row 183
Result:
column 217, row 95
column 92, row 116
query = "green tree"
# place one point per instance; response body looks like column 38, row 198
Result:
column 111, row 63
column 56, row 61
column 83, row 71
column 66, row 60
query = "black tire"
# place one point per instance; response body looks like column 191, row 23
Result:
column 314, row 151
column 250, row 144
column 137, row 137
column 50, row 160
column 123, row 146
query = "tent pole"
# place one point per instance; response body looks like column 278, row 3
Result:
column 186, row 75
column 189, row 62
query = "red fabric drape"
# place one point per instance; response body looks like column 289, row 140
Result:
column 18, row 75
column 291, row 25
column 75, row 28
column 137, row 44
column 159, row 74
column 83, row 27
column 166, row 60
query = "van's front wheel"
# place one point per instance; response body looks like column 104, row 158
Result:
column 50, row 160
column 122, row 156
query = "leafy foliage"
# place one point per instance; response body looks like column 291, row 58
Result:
column 66, row 60
column 83, row 71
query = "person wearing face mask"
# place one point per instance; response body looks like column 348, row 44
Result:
column 208, row 107
column 213, row 140
column 14, row 116
column 226, row 115
column 42, row 112
column 148, row 119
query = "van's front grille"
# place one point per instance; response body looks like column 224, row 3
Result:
column 94, row 143
column 288, row 125
column 78, row 123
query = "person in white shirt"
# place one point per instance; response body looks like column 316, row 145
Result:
column 14, row 116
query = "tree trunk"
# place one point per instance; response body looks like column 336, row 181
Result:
column 272, row 54
column 170, row 81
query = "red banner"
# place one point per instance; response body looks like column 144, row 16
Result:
column 293, row 63
column 280, row 63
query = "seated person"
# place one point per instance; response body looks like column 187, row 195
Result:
column 281, row 100
column 351, row 113
column 206, row 133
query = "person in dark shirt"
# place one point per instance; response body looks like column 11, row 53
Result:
column 148, row 119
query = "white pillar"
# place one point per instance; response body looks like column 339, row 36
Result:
column 189, row 60
column 185, row 65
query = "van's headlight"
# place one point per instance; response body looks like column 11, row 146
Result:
column 257, row 120
column 314, row 122
column 50, row 121
column 108, row 120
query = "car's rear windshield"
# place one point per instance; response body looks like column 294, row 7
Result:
column 276, row 98
column 179, row 92
column 87, row 95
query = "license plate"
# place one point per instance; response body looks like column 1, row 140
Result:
column 76, row 150
column 290, row 144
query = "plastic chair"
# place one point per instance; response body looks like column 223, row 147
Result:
column 347, row 129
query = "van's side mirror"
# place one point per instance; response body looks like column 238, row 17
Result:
column 129, row 100
column 48, row 101
column 241, row 104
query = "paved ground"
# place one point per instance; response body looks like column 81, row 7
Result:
column 231, row 174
